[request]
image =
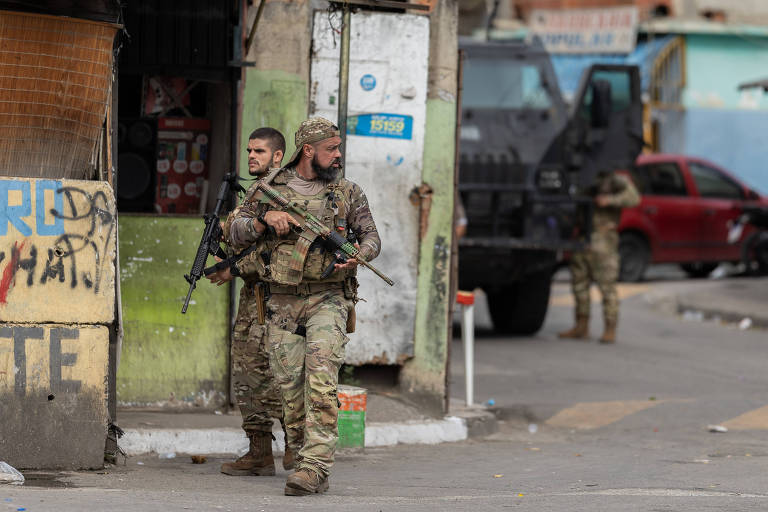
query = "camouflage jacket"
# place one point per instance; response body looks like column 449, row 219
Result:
column 621, row 194
column 342, row 206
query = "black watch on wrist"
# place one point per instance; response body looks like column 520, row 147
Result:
column 260, row 218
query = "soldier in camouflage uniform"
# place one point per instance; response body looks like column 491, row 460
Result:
column 309, row 316
column 256, row 391
column 600, row 262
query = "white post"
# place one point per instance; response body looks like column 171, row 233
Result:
column 467, row 301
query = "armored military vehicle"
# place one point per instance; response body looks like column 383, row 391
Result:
column 527, row 161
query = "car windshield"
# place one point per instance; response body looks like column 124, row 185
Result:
column 497, row 84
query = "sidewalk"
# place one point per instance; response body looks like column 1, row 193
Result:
column 389, row 421
column 731, row 299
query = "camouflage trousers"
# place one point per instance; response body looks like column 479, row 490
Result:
column 598, row 264
column 256, row 391
column 307, row 335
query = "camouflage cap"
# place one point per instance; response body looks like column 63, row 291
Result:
column 310, row 131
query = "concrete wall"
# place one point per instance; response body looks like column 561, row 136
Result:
column 276, row 89
column 57, row 296
column 715, row 66
column 740, row 148
column 169, row 359
column 424, row 376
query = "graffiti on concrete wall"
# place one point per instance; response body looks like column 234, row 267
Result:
column 57, row 240
column 52, row 358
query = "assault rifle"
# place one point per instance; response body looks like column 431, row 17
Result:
column 333, row 242
column 212, row 233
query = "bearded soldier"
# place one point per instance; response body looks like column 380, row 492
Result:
column 256, row 392
column 600, row 261
column 308, row 313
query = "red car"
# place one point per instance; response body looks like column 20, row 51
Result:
column 688, row 205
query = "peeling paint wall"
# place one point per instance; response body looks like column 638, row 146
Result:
column 276, row 88
column 384, row 155
column 169, row 359
column 57, row 295
column 424, row 376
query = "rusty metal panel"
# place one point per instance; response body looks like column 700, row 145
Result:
column 53, row 395
column 57, row 251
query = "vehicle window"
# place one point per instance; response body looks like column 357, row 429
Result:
column 713, row 183
column 660, row 179
column 621, row 91
column 489, row 83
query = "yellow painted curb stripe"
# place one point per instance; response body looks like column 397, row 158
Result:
column 756, row 419
column 590, row 415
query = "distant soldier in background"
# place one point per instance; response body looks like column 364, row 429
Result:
column 256, row 391
column 600, row 262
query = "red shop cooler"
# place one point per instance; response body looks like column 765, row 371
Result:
column 183, row 145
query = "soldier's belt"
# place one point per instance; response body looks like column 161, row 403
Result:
column 305, row 288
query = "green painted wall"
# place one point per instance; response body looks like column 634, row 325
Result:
column 272, row 98
column 424, row 375
column 168, row 357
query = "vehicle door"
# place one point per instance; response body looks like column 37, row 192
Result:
column 670, row 215
column 606, row 132
column 721, row 200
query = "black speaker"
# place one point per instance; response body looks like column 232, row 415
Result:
column 136, row 164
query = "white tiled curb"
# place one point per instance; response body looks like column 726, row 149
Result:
column 232, row 441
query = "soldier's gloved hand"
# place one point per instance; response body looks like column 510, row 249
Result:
column 220, row 276
column 602, row 200
column 350, row 264
column 281, row 221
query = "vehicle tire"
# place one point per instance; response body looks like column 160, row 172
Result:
column 634, row 256
column 699, row 269
column 520, row 308
column 755, row 253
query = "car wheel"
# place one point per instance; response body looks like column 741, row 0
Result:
column 698, row 269
column 756, row 253
column 634, row 256
column 520, row 308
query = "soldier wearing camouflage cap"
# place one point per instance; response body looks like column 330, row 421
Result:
column 309, row 314
column 256, row 391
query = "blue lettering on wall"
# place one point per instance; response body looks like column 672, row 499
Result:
column 15, row 214
column 57, row 228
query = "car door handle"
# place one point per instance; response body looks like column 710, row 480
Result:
column 651, row 210
column 709, row 212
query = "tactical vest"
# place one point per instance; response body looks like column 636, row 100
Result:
column 251, row 265
column 299, row 256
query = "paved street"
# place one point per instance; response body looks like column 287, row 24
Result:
column 584, row 427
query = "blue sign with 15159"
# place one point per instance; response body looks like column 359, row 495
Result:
column 391, row 126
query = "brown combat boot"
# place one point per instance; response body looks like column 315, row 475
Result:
column 304, row 482
column 609, row 335
column 258, row 461
column 580, row 331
